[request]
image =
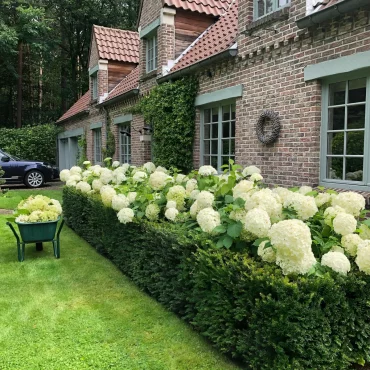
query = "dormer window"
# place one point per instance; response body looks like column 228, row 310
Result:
column 265, row 7
column 94, row 82
column 151, row 53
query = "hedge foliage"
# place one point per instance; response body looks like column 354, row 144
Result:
column 247, row 308
column 170, row 108
column 33, row 142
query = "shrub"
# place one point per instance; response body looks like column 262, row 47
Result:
column 34, row 142
column 246, row 307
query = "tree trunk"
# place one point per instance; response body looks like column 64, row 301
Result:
column 20, row 82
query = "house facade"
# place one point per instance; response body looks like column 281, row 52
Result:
column 308, row 61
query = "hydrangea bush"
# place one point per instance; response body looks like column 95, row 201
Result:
column 303, row 231
column 38, row 209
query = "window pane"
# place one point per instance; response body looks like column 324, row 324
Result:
column 214, row 146
column 357, row 90
column 336, row 118
column 225, row 129
column 214, row 162
column 355, row 142
column 225, row 160
column 334, row 168
column 207, row 116
column 207, row 129
column 233, row 111
column 260, row 8
column 232, row 142
column 336, row 143
column 337, row 93
column 207, row 147
column 215, row 115
column 233, row 129
column 269, row 6
column 225, row 146
column 215, row 130
column 226, row 113
column 354, row 169
column 206, row 160
column 283, row 2
column 356, row 117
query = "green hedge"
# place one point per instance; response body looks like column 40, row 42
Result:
column 34, row 142
column 247, row 308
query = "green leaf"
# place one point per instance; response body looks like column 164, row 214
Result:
column 229, row 199
column 220, row 243
column 240, row 202
column 220, row 229
column 235, row 229
column 227, row 241
column 259, row 241
column 366, row 222
column 225, row 189
column 312, row 193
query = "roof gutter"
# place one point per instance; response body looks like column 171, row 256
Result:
column 340, row 9
column 117, row 98
column 232, row 52
column 76, row 115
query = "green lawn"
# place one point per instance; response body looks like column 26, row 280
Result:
column 80, row 312
column 13, row 197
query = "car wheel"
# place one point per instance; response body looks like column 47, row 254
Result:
column 34, row 179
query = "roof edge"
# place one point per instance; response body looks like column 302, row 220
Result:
column 81, row 113
column 127, row 94
column 229, row 53
column 339, row 9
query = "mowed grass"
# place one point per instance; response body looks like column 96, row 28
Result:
column 10, row 199
column 81, row 312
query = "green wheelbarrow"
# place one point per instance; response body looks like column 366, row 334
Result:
column 38, row 233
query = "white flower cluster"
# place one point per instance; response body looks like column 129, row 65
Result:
column 158, row 180
column 207, row 171
column 208, row 219
column 337, row 261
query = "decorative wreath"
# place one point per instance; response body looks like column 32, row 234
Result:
column 273, row 117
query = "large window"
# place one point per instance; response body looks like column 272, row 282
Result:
column 218, row 135
column 151, row 53
column 97, row 146
column 125, row 144
column 346, row 130
column 264, row 7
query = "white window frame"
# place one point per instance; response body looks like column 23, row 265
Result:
column 151, row 53
column 94, row 82
column 275, row 5
column 125, row 144
column 338, row 183
column 97, row 145
column 204, row 137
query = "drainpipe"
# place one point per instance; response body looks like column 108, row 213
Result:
column 340, row 9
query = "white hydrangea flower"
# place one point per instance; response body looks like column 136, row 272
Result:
column 283, row 194
column 207, row 171
column 106, row 176
column 194, row 194
column 337, row 261
column 120, row 201
column 238, row 215
column 125, row 215
column 152, row 212
column 149, row 166
column 256, row 177
column 56, row 206
column 177, row 193
column 131, row 196
column 344, row 224
column 161, row 169
column 257, row 222
column 96, row 169
column 83, row 186
column 242, row 187
column 331, row 212
column 75, row 178
column 250, row 170
column 118, row 177
column 125, row 167
column 267, row 254
column 205, row 199
column 208, row 219
column 115, row 164
column 139, row 176
column 180, row 178
column 350, row 242
column 323, row 198
column 97, row 184
column 353, row 203
column 191, row 185
column 158, row 180
column 22, row 219
column 364, row 232
column 337, row 248
column 71, row 183
column 304, row 206
column 64, row 175
column 304, row 190
column 171, row 214
column 107, row 193
column 171, row 204
column 86, row 163
column 292, row 240
column 86, row 174
column 265, row 199
column 75, row 170
column 194, row 209
column 363, row 257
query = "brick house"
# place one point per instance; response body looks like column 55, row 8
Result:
column 306, row 60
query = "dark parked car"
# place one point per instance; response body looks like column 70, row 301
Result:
column 31, row 173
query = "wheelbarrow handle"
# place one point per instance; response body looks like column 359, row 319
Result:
column 14, row 232
column 60, row 228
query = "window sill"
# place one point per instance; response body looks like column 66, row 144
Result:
column 149, row 75
column 260, row 23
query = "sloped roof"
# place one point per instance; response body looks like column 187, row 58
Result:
column 130, row 82
column 115, row 44
column 211, row 7
column 81, row 105
column 217, row 38
column 323, row 4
